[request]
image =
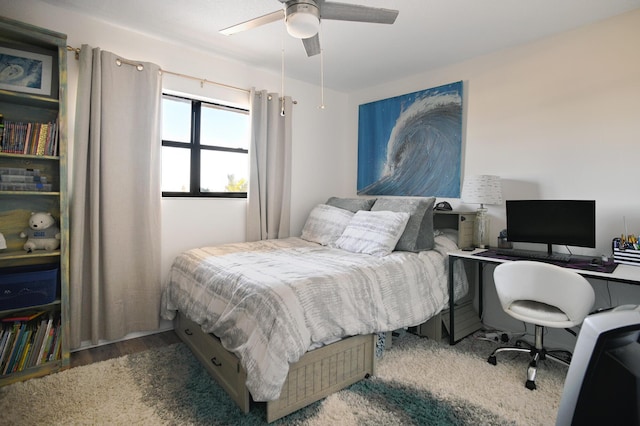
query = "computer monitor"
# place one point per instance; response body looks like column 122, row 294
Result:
column 603, row 382
column 561, row 222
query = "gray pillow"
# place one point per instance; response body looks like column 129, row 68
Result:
column 418, row 234
column 374, row 233
column 325, row 224
column 351, row 204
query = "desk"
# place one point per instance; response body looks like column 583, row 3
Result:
column 627, row 274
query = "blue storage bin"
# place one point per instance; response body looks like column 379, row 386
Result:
column 25, row 286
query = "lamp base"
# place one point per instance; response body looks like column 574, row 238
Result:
column 481, row 229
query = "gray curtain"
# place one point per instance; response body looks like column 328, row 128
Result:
column 115, row 281
column 269, row 204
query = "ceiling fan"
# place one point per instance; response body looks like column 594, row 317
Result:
column 302, row 18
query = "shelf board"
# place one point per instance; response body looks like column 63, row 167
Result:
column 44, row 307
column 29, row 99
column 32, row 156
column 21, row 254
column 30, row 193
column 40, row 370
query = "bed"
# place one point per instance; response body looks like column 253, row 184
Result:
column 289, row 321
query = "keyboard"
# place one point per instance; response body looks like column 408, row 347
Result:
column 534, row 255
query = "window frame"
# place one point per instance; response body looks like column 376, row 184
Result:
column 195, row 150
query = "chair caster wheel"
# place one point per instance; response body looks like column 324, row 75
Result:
column 492, row 360
column 531, row 385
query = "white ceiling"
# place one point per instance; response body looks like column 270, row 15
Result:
column 427, row 34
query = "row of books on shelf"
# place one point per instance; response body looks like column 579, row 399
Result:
column 29, row 340
column 23, row 179
column 30, row 138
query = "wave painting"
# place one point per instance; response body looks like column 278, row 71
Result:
column 411, row 145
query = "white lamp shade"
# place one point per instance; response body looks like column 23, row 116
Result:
column 482, row 189
column 302, row 24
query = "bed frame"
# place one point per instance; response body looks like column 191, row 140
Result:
column 316, row 375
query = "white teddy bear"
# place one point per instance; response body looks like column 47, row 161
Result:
column 42, row 233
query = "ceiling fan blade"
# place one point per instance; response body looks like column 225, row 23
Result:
column 312, row 45
column 253, row 23
column 352, row 12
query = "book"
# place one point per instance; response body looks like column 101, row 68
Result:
column 26, row 316
column 54, row 342
column 6, row 338
column 42, row 139
column 47, row 345
column 56, row 352
column 37, row 342
column 8, row 344
column 14, row 350
column 8, row 350
column 44, row 341
column 24, row 351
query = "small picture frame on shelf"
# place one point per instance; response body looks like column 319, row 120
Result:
column 25, row 71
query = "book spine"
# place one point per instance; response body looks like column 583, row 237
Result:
column 44, row 341
column 42, row 140
column 35, row 345
column 6, row 341
column 47, row 346
column 24, row 353
column 14, row 350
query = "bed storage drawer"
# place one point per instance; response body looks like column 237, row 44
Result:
column 223, row 366
column 317, row 374
column 323, row 371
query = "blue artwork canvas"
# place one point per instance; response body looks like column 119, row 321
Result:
column 411, row 145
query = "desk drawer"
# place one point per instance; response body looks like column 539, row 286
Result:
column 223, row 366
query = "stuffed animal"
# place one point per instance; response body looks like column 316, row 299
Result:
column 42, row 233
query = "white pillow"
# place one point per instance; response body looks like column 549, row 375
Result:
column 325, row 224
column 375, row 233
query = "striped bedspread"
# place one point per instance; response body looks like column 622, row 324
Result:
column 269, row 301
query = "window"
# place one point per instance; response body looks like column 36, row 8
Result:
column 205, row 149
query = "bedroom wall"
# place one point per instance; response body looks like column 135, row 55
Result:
column 557, row 118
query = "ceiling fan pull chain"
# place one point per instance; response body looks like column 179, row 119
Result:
column 282, row 83
column 321, row 106
column 321, row 79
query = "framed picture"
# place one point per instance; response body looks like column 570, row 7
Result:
column 24, row 71
column 411, row 145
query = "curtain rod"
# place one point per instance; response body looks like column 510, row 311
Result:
column 76, row 50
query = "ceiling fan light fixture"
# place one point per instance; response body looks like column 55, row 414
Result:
column 303, row 20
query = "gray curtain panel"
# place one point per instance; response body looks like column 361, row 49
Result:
column 269, row 197
column 115, row 282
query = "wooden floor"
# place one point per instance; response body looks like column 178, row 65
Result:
column 118, row 349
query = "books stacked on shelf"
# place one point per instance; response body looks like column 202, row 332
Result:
column 17, row 179
column 30, row 138
column 28, row 340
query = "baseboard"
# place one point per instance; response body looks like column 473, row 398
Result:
column 165, row 325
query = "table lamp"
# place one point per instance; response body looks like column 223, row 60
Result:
column 482, row 189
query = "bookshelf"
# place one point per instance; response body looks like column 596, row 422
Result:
column 33, row 330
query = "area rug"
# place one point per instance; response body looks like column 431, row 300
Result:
column 418, row 382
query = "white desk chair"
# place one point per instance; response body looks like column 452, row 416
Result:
column 544, row 295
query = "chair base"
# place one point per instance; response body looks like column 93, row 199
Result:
column 537, row 353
